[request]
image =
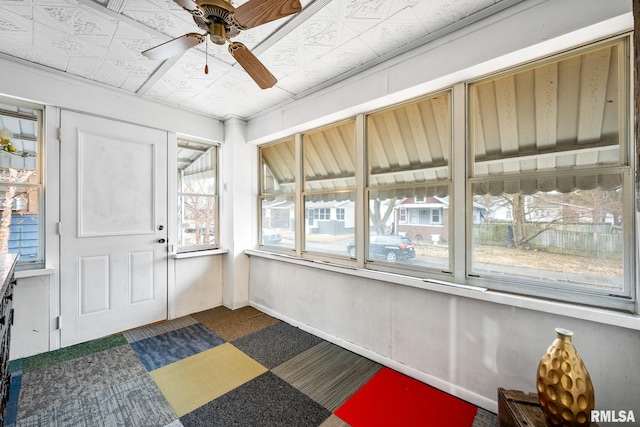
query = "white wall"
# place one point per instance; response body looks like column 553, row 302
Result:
column 238, row 221
column 194, row 285
column 198, row 284
column 31, row 330
column 460, row 344
column 465, row 342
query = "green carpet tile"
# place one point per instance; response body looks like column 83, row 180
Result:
column 68, row 353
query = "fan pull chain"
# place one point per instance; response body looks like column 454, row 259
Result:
column 206, row 57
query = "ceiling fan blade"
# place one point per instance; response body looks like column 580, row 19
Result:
column 258, row 12
column 189, row 5
column 252, row 65
column 174, row 47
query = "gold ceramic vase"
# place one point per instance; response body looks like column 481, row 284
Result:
column 564, row 386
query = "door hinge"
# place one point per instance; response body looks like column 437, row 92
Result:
column 60, row 134
column 59, row 229
column 58, row 322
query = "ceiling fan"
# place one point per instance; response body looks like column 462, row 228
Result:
column 222, row 22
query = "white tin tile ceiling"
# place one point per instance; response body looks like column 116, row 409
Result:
column 101, row 41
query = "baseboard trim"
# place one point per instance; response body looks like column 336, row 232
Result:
column 439, row 383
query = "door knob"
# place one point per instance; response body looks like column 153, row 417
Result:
column 161, row 241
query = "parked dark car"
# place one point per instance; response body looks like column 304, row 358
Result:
column 389, row 247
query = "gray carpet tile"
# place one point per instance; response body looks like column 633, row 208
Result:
column 485, row 418
column 159, row 329
column 52, row 386
column 135, row 402
column 327, row 373
column 264, row 401
column 276, row 344
column 176, row 423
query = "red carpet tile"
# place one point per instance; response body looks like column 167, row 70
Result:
column 393, row 399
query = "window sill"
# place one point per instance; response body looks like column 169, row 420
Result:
column 196, row 254
column 24, row 274
column 609, row 317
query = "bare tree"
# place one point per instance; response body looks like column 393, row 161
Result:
column 378, row 218
column 524, row 212
column 200, row 209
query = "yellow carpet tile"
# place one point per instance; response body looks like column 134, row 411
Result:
column 196, row 380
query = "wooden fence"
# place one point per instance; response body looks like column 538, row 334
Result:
column 588, row 240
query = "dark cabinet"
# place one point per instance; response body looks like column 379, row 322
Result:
column 8, row 281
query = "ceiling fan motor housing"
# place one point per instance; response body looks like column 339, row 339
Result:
column 217, row 20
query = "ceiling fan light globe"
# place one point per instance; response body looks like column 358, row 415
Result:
column 217, row 33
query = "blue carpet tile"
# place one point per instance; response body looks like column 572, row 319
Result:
column 161, row 350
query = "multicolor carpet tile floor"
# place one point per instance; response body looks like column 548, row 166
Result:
column 223, row 368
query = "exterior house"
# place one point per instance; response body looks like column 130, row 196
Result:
column 331, row 217
column 424, row 219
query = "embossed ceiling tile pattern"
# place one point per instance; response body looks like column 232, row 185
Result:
column 395, row 32
column 132, row 68
column 371, row 11
column 67, row 46
column 18, row 8
column 14, row 29
column 254, row 36
column 127, row 49
column 97, row 70
column 186, row 82
column 166, row 22
column 350, row 55
column 129, row 42
column 327, row 40
column 282, row 60
column 306, row 77
column 160, row 92
column 74, row 20
column 132, row 84
column 231, row 95
column 248, row 97
column 38, row 55
column 435, row 14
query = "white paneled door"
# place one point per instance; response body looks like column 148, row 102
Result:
column 113, row 212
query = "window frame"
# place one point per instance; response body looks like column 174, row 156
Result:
column 459, row 210
column 426, row 270
column 39, row 110
column 545, row 288
column 337, row 193
column 198, row 145
column 265, row 194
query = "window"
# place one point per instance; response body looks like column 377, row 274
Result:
column 435, row 216
column 21, row 189
column 278, row 188
column 408, row 178
column 551, row 176
column 329, row 183
column 197, row 196
column 543, row 200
